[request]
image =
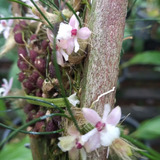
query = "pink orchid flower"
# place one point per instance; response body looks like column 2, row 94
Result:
column 5, row 27
column 61, row 45
column 105, row 131
column 73, row 144
column 6, row 87
column 71, row 32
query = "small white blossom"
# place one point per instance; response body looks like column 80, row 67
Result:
column 73, row 99
column 6, row 87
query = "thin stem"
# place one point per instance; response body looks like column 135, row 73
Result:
column 42, row 14
column 141, row 145
column 34, row 133
column 26, row 18
column 53, row 4
column 30, row 123
column 148, row 155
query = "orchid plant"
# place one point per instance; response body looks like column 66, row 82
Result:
column 50, row 61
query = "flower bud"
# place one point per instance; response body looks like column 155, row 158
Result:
column 39, row 93
column 33, row 77
column 28, row 85
column 33, row 38
column 40, row 64
column 21, row 76
column 39, row 83
column 22, row 65
column 45, row 44
column 33, row 55
column 39, row 126
column 18, row 38
column 17, row 28
column 23, row 51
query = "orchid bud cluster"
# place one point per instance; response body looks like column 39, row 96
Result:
column 33, row 52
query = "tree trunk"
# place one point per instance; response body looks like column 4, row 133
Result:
column 107, row 22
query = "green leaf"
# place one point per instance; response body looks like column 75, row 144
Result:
column 14, row 73
column 149, row 58
column 16, row 151
column 4, row 8
column 149, row 129
column 2, row 108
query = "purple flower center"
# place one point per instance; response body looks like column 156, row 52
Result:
column 100, row 126
column 74, row 32
column 78, row 145
column 4, row 24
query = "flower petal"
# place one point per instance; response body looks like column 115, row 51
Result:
column 66, row 143
column 74, row 154
column 65, row 55
column 62, row 43
column 73, row 99
column 93, row 143
column 76, row 45
column 74, row 22
column 50, row 35
column 83, row 154
column 83, row 33
column 91, row 116
column 115, row 116
column 108, row 135
column 64, row 31
column 73, row 131
column 59, row 58
column 107, row 109
column 70, row 46
column 88, row 135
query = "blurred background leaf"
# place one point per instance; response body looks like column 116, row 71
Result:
column 149, row 129
column 148, row 57
column 16, row 151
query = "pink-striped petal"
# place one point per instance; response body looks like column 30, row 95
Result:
column 62, row 43
column 91, row 116
column 70, row 46
column 107, row 109
column 93, row 143
column 83, row 33
column 115, row 116
column 59, row 59
column 74, row 22
column 50, row 35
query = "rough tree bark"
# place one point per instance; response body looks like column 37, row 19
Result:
column 107, row 21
